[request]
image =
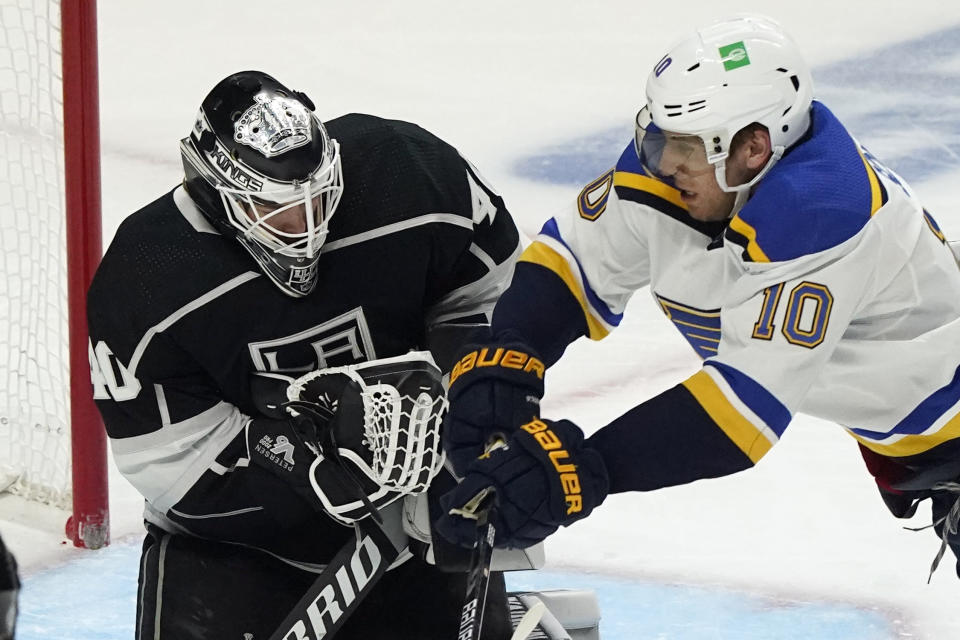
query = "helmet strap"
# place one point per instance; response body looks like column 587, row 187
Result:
column 743, row 190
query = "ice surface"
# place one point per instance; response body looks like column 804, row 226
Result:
column 799, row 545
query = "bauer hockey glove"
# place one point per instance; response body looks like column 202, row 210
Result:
column 494, row 388
column 544, row 477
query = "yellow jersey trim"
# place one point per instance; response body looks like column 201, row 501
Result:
column 753, row 248
column 541, row 254
column 650, row 185
column 876, row 196
column 913, row 444
column 741, row 431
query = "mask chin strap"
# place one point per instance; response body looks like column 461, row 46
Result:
column 743, row 190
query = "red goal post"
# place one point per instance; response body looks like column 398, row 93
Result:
column 55, row 446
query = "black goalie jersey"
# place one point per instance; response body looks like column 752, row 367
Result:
column 181, row 319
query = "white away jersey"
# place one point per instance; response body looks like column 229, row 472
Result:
column 831, row 292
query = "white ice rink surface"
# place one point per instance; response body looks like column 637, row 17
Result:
column 518, row 86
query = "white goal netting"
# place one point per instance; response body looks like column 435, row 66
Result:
column 34, row 357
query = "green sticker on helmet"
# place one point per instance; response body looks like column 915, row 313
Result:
column 734, row 56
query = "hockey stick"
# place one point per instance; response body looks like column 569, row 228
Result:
column 350, row 576
column 342, row 585
column 478, row 577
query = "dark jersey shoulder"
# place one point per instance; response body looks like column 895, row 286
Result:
column 393, row 171
column 159, row 261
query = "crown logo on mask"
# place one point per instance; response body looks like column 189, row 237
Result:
column 273, row 125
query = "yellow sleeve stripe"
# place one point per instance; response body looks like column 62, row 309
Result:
column 876, row 197
column 753, row 249
column 914, row 444
column 541, row 254
column 650, row 185
column 741, row 431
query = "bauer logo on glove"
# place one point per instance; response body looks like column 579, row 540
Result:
column 544, row 477
column 494, row 388
column 507, row 358
column 562, row 464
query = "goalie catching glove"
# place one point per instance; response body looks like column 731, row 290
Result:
column 542, row 476
column 367, row 434
column 494, row 388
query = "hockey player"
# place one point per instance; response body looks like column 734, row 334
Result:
column 292, row 246
column 802, row 270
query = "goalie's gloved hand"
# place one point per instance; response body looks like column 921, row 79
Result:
column 285, row 448
column 319, row 449
column 494, row 388
column 377, row 426
column 544, row 477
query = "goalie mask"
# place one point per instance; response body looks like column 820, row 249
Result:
column 262, row 169
column 714, row 83
column 384, row 430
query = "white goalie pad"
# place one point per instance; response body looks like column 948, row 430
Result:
column 570, row 614
column 386, row 428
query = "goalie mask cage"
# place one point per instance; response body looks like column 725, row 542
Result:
column 52, row 442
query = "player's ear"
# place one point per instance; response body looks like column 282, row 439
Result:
column 757, row 148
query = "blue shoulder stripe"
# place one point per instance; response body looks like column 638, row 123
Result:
column 551, row 231
column 754, row 395
column 925, row 413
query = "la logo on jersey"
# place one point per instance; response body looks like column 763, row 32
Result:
column 340, row 341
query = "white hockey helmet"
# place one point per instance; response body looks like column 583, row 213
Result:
column 721, row 79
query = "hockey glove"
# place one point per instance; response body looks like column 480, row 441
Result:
column 378, row 427
column 494, row 388
column 543, row 478
column 285, row 448
column 321, row 450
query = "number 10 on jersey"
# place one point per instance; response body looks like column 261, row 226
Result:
column 808, row 314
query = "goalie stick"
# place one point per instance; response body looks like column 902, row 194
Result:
column 342, row 585
column 353, row 572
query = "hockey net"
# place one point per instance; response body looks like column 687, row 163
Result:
column 47, row 186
